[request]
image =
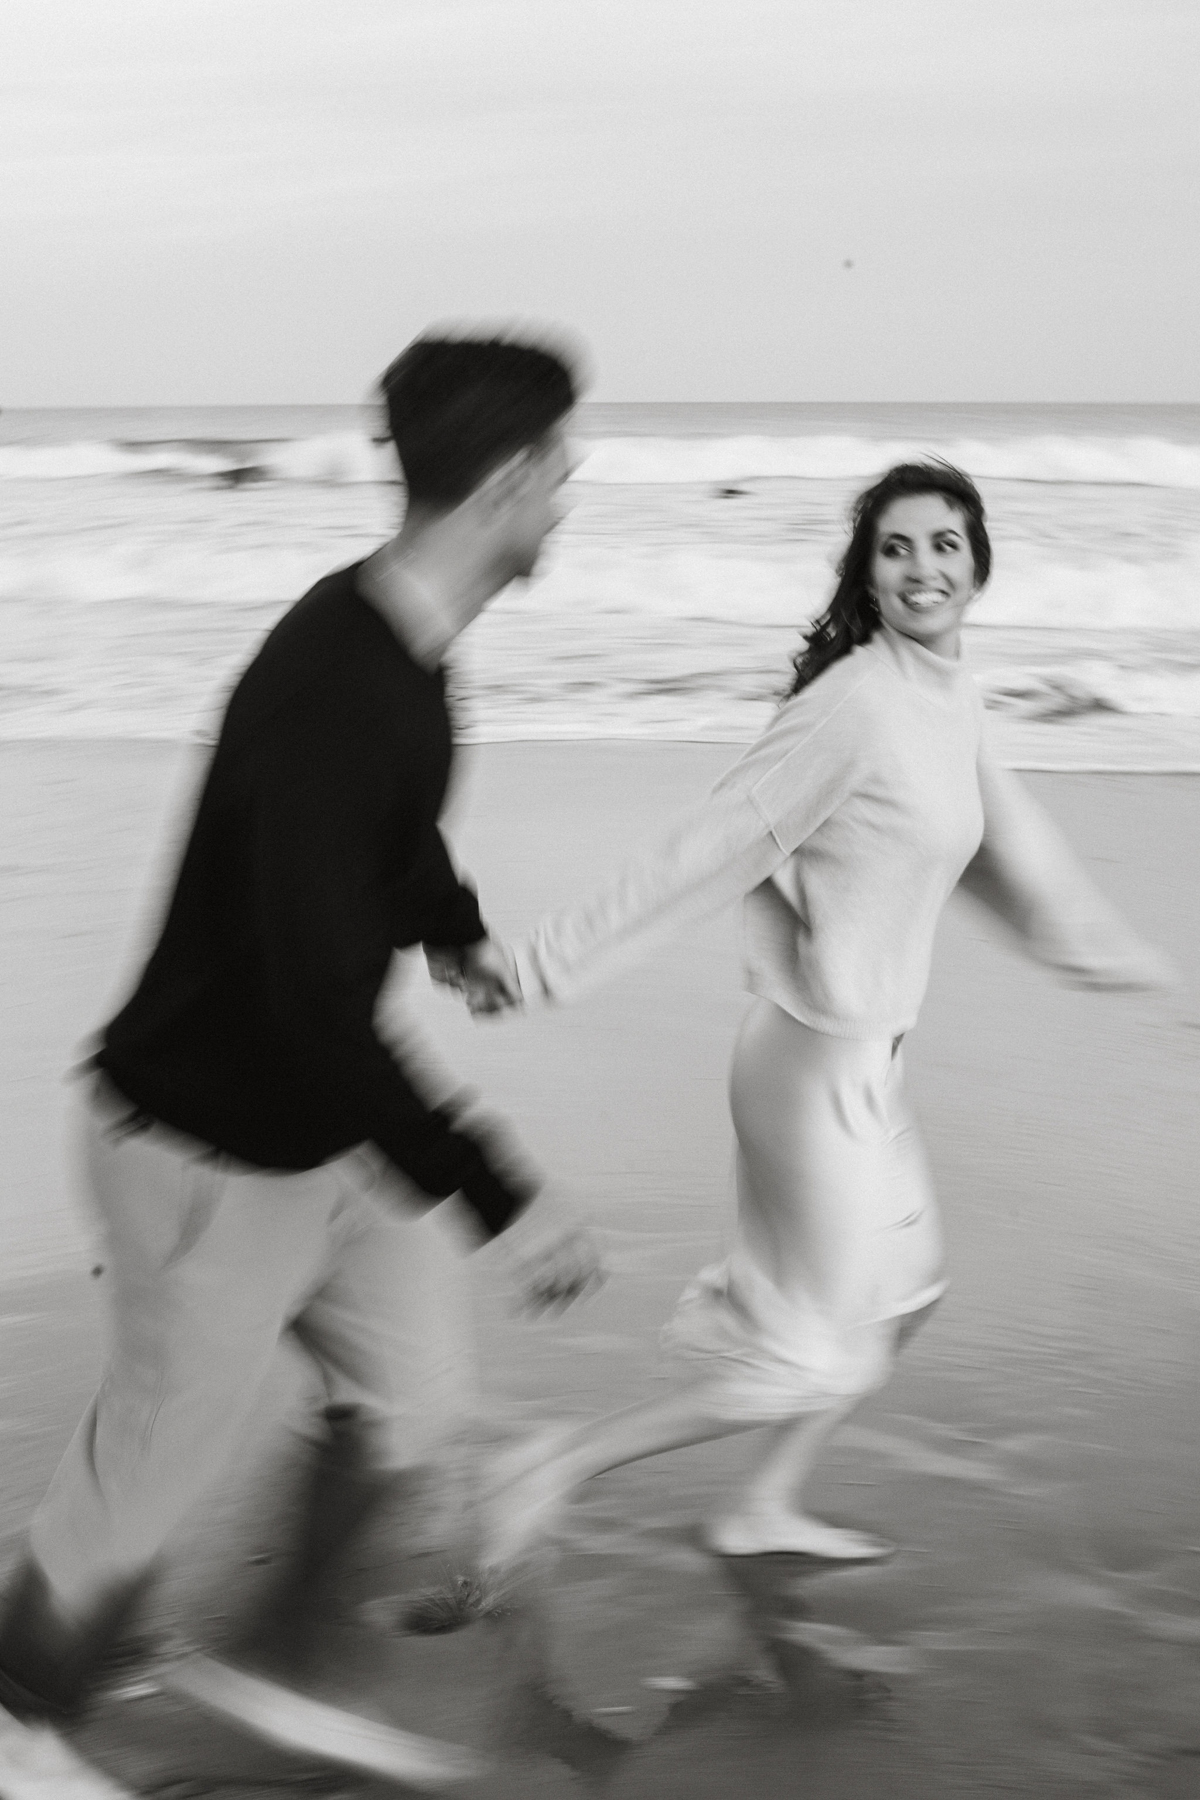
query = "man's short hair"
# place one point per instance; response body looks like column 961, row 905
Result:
column 459, row 407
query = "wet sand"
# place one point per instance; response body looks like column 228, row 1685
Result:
column 1035, row 1457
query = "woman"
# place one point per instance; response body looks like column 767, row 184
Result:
column 845, row 827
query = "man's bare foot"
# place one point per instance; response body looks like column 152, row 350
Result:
column 794, row 1534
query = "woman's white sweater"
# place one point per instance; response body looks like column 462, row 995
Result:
column 845, row 827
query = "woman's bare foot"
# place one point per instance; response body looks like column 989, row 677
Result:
column 524, row 1487
column 512, row 1461
column 794, row 1534
column 514, row 1518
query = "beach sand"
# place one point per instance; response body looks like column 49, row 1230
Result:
column 1036, row 1456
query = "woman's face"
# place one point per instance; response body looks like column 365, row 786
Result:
column 922, row 570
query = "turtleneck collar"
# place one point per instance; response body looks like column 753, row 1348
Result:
column 940, row 677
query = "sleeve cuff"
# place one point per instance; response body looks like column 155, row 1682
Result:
column 534, row 991
column 459, row 925
column 495, row 1200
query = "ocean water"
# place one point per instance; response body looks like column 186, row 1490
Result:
column 145, row 552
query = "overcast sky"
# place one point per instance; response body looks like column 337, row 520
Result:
column 262, row 200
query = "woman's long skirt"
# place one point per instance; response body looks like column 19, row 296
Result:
column 838, row 1251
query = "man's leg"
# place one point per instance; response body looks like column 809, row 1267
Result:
column 205, row 1265
column 390, row 1330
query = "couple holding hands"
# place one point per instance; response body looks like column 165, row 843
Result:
column 259, row 1159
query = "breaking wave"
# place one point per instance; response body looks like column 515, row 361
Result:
column 348, row 457
column 1140, row 461
column 1074, row 689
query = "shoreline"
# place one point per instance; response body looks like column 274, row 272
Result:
column 467, row 741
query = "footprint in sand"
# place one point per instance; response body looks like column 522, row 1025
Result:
column 629, row 1621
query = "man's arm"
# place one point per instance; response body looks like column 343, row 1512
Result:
column 321, row 810
column 459, row 950
column 447, row 907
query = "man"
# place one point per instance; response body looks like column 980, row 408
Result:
column 257, row 1155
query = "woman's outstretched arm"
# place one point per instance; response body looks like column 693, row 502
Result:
column 1026, row 873
column 707, row 860
column 781, row 790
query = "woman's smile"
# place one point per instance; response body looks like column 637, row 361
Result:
column 923, row 571
column 924, row 599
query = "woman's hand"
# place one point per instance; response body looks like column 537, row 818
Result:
column 1136, row 969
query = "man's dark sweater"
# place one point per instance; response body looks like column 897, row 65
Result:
column 315, row 851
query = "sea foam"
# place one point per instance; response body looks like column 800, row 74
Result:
column 668, row 584
column 1072, row 689
column 139, row 577
column 348, row 458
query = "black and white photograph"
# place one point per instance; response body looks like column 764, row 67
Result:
column 599, row 856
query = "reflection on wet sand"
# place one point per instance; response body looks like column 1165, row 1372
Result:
column 629, row 1662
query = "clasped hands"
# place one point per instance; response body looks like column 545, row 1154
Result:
column 550, row 1250
column 485, row 974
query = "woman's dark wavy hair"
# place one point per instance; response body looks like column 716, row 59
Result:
column 852, row 616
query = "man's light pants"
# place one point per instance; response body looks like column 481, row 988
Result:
column 210, row 1262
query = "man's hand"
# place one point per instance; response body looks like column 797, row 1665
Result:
column 553, row 1257
column 484, row 973
column 445, row 966
column 565, row 1269
column 490, row 979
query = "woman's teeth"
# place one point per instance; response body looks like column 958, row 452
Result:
column 923, row 598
